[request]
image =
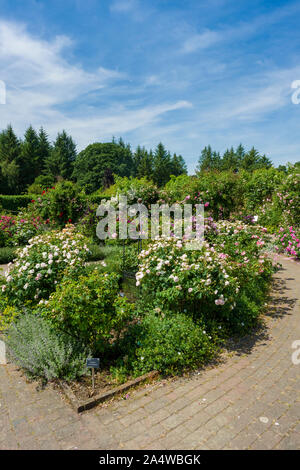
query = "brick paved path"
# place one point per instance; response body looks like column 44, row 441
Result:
column 250, row 401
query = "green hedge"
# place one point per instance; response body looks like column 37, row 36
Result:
column 14, row 203
column 7, row 254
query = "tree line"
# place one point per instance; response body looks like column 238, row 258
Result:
column 232, row 159
column 36, row 160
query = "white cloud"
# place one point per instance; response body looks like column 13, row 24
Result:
column 208, row 38
column 201, row 41
column 43, row 88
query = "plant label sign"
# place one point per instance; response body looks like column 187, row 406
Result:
column 93, row 362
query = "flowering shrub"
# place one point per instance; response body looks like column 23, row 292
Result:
column 178, row 188
column 17, row 230
column 61, row 204
column 260, row 186
column 287, row 199
column 209, row 282
column 241, row 241
column 42, row 264
column 6, row 229
column 192, row 281
column 289, row 241
column 88, row 222
column 27, row 227
column 90, row 307
column 135, row 189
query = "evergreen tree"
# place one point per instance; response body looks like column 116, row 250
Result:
column 264, row 162
column 178, row 165
column 145, row 168
column 137, row 158
column 240, row 154
column 9, row 155
column 229, row 160
column 28, row 159
column 161, row 165
column 250, row 160
column 205, row 161
column 44, row 150
column 216, row 161
column 61, row 160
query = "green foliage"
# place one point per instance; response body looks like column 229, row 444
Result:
column 170, row 344
column 91, row 163
column 287, row 198
column 29, row 160
column 21, row 161
column 8, row 313
column 260, row 186
column 177, row 188
column 135, row 189
column 87, row 223
column 40, row 184
column 90, row 306
column 7, row 254
column 232, row 160
column 207, row 283
column 220, row 192
column 95, row 252
column 9, row 161
column 61, row 204
column 130, row 261
column 164, row 165
column 14, row 203
column 60, row 162
column 44, row 151
column 43, row 352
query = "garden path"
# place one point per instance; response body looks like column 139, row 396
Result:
column 250, row 400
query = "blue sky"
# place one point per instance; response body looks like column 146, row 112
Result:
column 187, row 73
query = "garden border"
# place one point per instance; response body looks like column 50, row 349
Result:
column 79, row 406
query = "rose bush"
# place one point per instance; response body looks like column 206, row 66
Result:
column 62, row 204
column 42, row 264
column 289, row 241
column 7, row 223
column 214, row 283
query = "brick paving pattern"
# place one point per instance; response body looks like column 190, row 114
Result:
column 250, row 400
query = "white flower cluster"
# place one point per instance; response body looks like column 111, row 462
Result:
column 195, row 272
column 44, row 258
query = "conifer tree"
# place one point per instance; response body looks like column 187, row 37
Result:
column 44, row 150
column 28, row 159
column 145, row 168
column 205, row 161
column 62, row 157
column 161, row 165
column 9, row 155
column 178, row 165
